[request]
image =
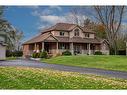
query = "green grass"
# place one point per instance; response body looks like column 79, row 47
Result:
column 102, row 61
column 11, row 58
column 35, row 78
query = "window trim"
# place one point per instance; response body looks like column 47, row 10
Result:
column 87, row 35
column 76, row 33
column 61, row 33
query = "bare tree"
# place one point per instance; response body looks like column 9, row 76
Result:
column 111, row 18
column 76, row 16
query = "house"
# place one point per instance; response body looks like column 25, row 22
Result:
column 2, row 47
column 65, row 36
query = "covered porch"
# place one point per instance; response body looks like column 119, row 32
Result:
column 55, row 48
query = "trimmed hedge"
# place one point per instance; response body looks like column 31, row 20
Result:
column 14, row 53
column 98, row 53
column 43, row 54
column 66, row 53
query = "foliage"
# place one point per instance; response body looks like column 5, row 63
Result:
column 36, row 55
column 14, row 53
column 66, row 53
column 12, row 35
column 93, row 61
column 43, row 54
column 100, row 31
column 98, row 53
column 121, row 52
column 35, row 78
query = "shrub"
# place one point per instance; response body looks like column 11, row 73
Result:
column 17, row 53
column 37, row 55
column 66, row 53
column 34, row 55
column 43, row 54
column 9, row 53
column 98, row 53
column 14, row 53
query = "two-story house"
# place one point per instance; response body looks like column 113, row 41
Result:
column 65, row 36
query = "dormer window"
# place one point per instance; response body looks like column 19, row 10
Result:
column 87, row 35
column 61, row 33
column 76, row 32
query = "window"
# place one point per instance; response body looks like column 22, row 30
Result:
column 63, row 46
column 87, row 35
column 76, row 32
column 61, row 33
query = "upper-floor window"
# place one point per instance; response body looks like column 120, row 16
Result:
column 87, row 35
column 61, row 33
column 76, row 32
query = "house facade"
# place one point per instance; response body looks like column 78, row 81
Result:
column 65, row 36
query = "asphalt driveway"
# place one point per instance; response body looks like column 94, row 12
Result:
column 35, row 64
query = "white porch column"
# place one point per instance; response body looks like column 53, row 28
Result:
column 57, row 49
column 71, row 48
column 35, row 47
column 42, row 47
column 89, row 51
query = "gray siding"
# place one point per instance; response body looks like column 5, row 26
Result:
column 2, row 52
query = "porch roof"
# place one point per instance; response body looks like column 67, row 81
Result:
column 43, row 37
column 84, row 40
column 78, row 40
column 38, row 38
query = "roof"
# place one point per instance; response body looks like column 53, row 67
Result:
column 87, row 30
column 38, row 38
column 61, row 26
column 78, row 40
column 84, row 40
column 64, row 27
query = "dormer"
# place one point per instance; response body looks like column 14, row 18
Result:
column 89, row 35
column 76, row 32
column 60, row 33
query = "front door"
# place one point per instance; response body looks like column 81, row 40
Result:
column 77, row 49
column 46, row 47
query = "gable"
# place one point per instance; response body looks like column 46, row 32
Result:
column 50, row 39
column 73, row 31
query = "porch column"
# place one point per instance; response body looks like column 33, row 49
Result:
column 89, row 51
column 57, row 50
column 42, row 47
column 71, row 48
column 35, row 47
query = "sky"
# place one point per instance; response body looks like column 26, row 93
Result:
column 33, row 19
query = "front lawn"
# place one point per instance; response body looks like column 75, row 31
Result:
column 35, row 78
column 102, row 61
column 11, row 58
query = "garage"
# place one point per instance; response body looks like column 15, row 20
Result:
column 2, row 51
